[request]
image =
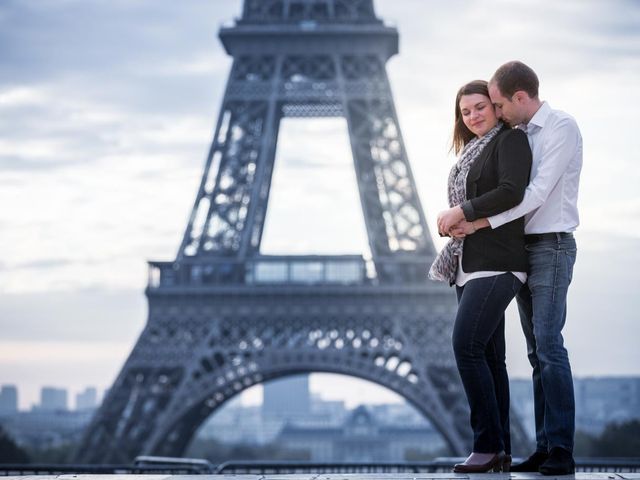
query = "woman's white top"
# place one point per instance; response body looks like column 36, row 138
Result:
column 463, row 277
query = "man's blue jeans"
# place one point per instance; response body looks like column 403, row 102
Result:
column 479, row 348
column 542, row 304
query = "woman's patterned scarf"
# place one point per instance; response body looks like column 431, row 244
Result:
column 445, row 266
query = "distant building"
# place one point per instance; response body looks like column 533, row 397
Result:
column 8, row 399
column 87, row 400
column 327, row 412
column 362, row 438
column 235, row 423
column 288, row 397
column 238, row 424
column 521, row 391
column 42, row 429
column 599, row 402
column 53, row 399
column 399, row 414
column 604, row 400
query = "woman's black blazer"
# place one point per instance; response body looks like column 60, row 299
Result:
column 496, row 182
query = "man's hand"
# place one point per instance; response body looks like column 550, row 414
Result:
column 462, row 229
column 448, row 218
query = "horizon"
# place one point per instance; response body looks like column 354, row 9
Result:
column 253, row 396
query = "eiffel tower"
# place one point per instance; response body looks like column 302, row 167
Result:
column 223, row 317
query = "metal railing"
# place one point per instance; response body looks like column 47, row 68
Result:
column 187, row 466
column 290, row 270
column 300, row 467
column 14, row 470
column 439, row 465
column 262, row 270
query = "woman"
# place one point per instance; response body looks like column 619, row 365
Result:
column 487, row 267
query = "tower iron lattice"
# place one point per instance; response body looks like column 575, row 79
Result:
column 223, row 317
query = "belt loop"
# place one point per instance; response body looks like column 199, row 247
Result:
column 558, row 237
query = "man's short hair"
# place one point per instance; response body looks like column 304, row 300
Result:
column 515, row 76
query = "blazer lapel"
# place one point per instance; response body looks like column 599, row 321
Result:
column 476, row 170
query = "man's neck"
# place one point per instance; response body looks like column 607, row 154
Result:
column 533, row 108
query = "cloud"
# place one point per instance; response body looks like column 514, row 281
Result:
column 84, row 315
column 22, row 96
column 42, row 264
column 43, row 38
column 22, row 163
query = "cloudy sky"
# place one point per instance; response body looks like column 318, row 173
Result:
column 107, row 109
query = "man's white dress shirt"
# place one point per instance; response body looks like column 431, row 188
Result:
column 550, row 202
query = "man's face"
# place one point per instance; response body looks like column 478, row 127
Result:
column 508, row 110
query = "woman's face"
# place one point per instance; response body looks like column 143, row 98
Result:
column 478, row 113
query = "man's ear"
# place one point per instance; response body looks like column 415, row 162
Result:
column 520, row 96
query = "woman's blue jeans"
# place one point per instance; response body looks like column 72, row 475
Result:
column 479, row 348
column 543, row 310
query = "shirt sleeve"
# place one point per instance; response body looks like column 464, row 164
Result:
column 555, row 156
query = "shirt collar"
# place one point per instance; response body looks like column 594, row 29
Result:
column 540, row 117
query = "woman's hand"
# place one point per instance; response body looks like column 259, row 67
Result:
column 448, row 218
column 462, row 229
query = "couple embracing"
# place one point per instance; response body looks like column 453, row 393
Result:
column 513, row 197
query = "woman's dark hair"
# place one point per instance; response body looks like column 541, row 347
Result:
column 515, row 76
column 461, row 134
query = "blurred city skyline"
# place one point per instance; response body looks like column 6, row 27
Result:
column 107, row 110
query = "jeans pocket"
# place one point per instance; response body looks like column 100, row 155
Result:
column 543, row 268
column 570, row 259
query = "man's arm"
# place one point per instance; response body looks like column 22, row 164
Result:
column 555, row 159
column 512, row 164
column 464, row 228
column 513, row 168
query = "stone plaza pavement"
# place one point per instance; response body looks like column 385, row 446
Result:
column 338, row 476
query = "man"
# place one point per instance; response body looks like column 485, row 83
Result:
column 551, row 215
